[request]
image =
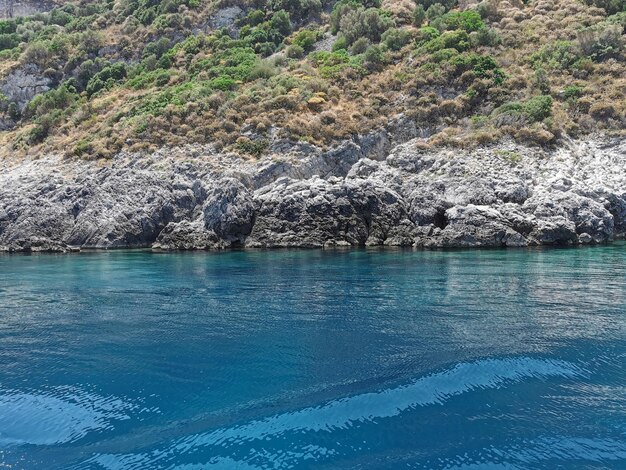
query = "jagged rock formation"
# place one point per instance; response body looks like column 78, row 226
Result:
column 360, row 193
column 15, row 8
column 23, row 84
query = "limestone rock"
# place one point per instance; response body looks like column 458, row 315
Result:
column 364, row 192
column 21, row 85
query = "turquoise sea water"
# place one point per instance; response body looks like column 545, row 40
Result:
column 311, row 359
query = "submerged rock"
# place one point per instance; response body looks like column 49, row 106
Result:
column 357, row 194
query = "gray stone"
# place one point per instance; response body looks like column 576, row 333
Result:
column 356, row 194
column 22, row 84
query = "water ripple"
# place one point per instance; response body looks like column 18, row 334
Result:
column 58, row 415
column 535, row 451
column 346, row 413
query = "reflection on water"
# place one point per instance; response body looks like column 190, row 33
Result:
column 342, row 414
column 311, row 359
column 57, row 416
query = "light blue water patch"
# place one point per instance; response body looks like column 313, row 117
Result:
column 58, row 415
column 345, row 413
column 495, row 359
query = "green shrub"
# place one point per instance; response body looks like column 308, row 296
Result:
column 8, row 26
column 83, row 147
column 106, row 78
column 468, row 20
column 340, row 44
column 419, row 15
column 162, row 78
column 617, row 18
column 364, row 23
column 485, row 37
column 395, row 39
column 427, row 33
column 234, row 62
column 251, row 147
column 573, row 92
column 360, row 46
column 10, row 54
column 535, row 109
column 280, row 22
column 90, row 41
column 223, row 83
column 538, row 108
column 374, row 57
column 59, row 98
column 266, row 36
column 39, row 133
column 542, row 82
column 254, row 18
column 9, row 41
column 190, row 46
column 86, row 70
column 306, row 39
column 13, row 111
column 294, row 51
column 157, row 48
column 262, row 69
column 601, row 42
column 436, row 10
column 556, row 55
column 169, row 21
column 60, row 17
column 483, row 66
column 444, row 55
column 265, row 49
column 342, row 7
column 145, row 79
column 333, row 64
column 458, row 40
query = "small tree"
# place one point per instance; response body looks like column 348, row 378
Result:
column 542, row 83
column 395, row 39
column 374, row 57
column 419, row 15
column 361, row 23
column 435, row 11
column 281, row 22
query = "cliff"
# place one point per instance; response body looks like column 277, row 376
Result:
column 193, row 124
column 365, row 192
column 17, row 8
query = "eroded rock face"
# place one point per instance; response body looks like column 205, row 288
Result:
column 23, row 84
column 357, row 194
column 333, row 212
column 19, row 8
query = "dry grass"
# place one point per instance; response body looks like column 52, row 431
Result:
column 324, row 110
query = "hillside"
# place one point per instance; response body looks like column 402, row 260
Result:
column 90, row 79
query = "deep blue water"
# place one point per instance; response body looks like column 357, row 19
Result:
column 496, row 359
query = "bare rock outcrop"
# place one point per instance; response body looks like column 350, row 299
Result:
column 362, row 193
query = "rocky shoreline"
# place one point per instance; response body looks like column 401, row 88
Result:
column 367, row 192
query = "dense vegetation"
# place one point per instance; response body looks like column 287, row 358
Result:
column 138, row 74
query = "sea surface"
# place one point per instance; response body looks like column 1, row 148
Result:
column 485, row 359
